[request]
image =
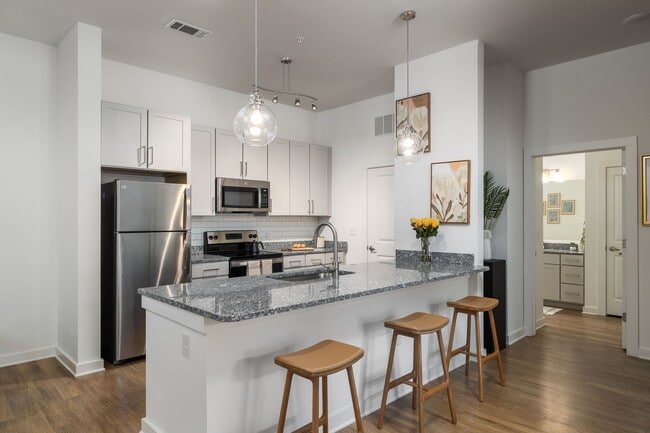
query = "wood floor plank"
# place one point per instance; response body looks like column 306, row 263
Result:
column 572, row 377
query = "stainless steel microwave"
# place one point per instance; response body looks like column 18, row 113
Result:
column 242, row 196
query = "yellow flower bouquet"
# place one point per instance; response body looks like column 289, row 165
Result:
column 424, row 229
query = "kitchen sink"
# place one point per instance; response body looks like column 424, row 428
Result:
column 308, row 277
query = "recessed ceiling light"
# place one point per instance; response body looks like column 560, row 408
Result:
column 636, row 18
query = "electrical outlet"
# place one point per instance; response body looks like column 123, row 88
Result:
column 186, row 346
column 353, row 231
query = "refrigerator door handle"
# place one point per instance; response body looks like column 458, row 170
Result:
column 187, row 209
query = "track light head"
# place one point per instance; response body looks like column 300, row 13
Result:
column 275, row 99
column 314, row 107
column 297, row 102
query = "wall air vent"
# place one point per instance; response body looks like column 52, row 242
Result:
column 191, row 30
column 383, row 125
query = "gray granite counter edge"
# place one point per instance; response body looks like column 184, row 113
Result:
column 562, row 251
column 239, row 318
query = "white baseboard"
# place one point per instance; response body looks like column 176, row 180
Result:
column 590, row 310
column 539, row 324
column 78, row 370
column 644, row 353
column 147, row 427
column 28, row 356
column 516, row 336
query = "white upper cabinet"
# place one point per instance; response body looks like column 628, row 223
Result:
column 319, row 179
column 228, row 156
column 202, row 175
column 278, row 158
column 239, row 161
column 299, row 178
column 134, row 137
column 124, row 136
column 169, row 142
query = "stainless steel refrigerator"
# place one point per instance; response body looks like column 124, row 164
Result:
column 145, row 242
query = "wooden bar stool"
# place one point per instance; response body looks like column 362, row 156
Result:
column 471, row 306
column 313, row 363
column 413, row 326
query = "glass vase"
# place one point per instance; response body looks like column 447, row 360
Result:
column 425, row 256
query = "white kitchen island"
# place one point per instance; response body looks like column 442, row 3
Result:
column 211, row 344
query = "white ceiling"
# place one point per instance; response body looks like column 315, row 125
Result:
column 350, row 46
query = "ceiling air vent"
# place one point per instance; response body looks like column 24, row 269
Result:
column 191, row 30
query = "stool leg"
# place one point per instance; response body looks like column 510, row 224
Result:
column 314, row 406
column 285, row 402
column 468, row 343
column 496, row 347
column 445, row 372
column 479, row 358
column 414, row 372
column 450, row 347
column 384, row 396
column 325, row 410
column 355, row 400
column 418, row 387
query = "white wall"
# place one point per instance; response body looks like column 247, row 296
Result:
column 206, row 105
column 570, row 227
column 28, row 255
column 78, row 164
column 349, row 130
column 601, row 97
column 454, row 78
column 504, row 142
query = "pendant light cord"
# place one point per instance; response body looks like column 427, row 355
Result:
column 408, row 91
column 256, row 87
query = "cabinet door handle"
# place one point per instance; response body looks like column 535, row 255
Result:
column 246, row 169
column 241, row 168
column 212, row 205
column 150, row 156
column 312, row 207
column 309, row 207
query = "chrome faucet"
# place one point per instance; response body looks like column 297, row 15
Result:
column 317, row 232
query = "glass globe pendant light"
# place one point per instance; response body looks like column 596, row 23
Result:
column 255, row 124
column 409, row 143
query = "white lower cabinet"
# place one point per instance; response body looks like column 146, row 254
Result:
column 210, row 270
column 293, row 262
column 552, row 282
column 314, row 260
column 564, row 278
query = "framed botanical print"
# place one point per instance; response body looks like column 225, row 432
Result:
column 553, row 200
column 568, row 207
column 645, row 190
column 552, row 216
column 450, row 191
column 420, row 117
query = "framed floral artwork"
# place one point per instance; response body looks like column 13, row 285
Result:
column 419, row 117
column 450, row 186
column 553, row 200
column 552, row 216
column 568, row 207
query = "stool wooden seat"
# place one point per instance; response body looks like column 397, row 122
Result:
column 414, row 326
column 316, row 363
column 471, row 306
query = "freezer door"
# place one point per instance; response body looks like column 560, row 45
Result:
column 151, row 206
column 144, row 260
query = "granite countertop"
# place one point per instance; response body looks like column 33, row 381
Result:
column 245, row 298
column 207, row 258
column 561, row 251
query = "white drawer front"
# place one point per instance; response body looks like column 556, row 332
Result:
column 573, row 260
column 551, row 259
column 314, row 259
column 208, row 270
column 572, row 293
column 329, row 258
column 572, row 275
column 297, row 261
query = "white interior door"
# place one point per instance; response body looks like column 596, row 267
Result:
column 381, row 214
column 615, row 239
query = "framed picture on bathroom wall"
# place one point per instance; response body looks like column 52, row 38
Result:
column 568, row 207
column 553, row 200
column 645, row 190
column 552, row 216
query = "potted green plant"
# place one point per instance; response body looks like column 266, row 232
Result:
column 494, row 200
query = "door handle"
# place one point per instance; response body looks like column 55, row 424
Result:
column 614, row 249
column 371, row 249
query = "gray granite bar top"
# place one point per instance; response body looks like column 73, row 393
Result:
column 244, row 298
column 561, row 251
column 207, row 258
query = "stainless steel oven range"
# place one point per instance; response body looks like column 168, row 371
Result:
column 245, row 251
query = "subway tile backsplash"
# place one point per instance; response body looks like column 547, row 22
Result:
column 269, row 228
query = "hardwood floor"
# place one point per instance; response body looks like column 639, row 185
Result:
column 571, row 377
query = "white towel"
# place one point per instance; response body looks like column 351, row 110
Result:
column 267, row 266
column 254, row 267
